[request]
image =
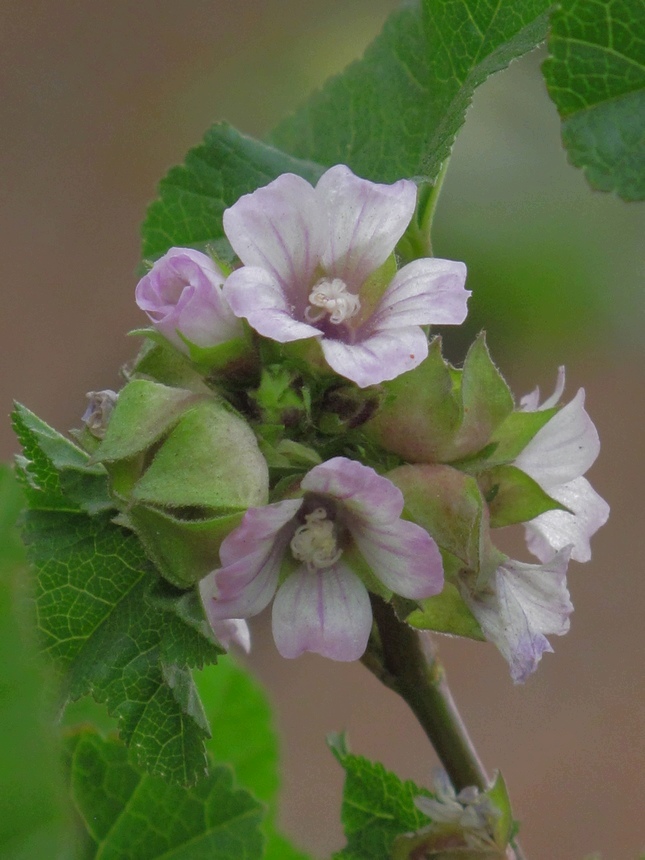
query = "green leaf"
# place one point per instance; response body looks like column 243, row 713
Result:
column 55, row 473
column 596, row 76
column 125, row 812
column 194, row 195
column 108, row 638
column 513, row 496
column 34, row 821
column 377, row 806
column 245, row 738
column 396, row 112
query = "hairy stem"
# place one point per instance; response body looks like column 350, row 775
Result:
column 400, row 661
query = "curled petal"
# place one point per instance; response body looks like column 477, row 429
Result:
column 256, row 295
column 380, row 356
column 554, row 530
column 531, row 402
column 520, row 606
column 363, row 492
column 564, row 448
column 279, row 228
column 233, row 631
column 365, row 221
column 325, row 611
column 425, row 292
column 402, row 555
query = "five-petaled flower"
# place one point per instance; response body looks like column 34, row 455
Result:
column 311, row 552
column 182, row 296
column 309, row 254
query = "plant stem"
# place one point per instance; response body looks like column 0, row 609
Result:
column 399, row 660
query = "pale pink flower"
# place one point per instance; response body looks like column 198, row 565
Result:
column 182, row 296
column 308, row 255
column 520, row 606
column 557, row 457
column 311, row 553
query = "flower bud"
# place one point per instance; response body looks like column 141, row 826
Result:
column 182, row 296
column 99, row 409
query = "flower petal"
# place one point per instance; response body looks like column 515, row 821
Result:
column 362, row 491
column 279, row 228
column 521, row 605
column 233, row 631
column 563, row 449
column 554, row 530
column 425, row 292
column 255, row 294
column 257, row 531
column 366, row 220
column 325, row 611
column 402, row 555
column 531, row 402
column 380, row 356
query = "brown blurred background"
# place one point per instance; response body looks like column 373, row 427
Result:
column 98, row 100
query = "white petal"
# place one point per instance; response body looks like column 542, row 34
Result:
column 383, row 355
column 324, row 611
column 365, row 221
column 521, row 605
column 531, row 402
column 279, row 228
column 425, row 292
column 402, row 555
column 554, row 530
column 256, row 295
column 563, row 449
column 233, row 631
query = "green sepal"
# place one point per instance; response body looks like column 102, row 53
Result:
column 513, row 496
column 514, row 433
column 144, row 412
column 505, row 825
column 54, row 472
column 160, row 360
column 419, row 413
column 446, row 613
column 183, row 550
column 209, row 460
column 486, row 401
column 236, row 357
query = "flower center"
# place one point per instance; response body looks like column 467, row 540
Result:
column 331, row 296
column 315, row 541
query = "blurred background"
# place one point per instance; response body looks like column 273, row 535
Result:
column 99, row 100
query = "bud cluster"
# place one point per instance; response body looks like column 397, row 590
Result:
column 290, row 433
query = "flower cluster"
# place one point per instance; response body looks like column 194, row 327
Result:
column 389, row 504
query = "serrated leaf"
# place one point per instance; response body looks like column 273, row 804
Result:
column 125, row 812
column 33, row 817
column 513, row 496
column 596, row 76
column 244, row 736
column 194, row 195
column 377, row 807
column 108, row 638
column 55, row 473
column 396, row 112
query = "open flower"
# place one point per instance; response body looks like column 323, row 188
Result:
column 313, row 551
column 519, row 606
column 308, row 255
column 557, row 457
column 182, row 296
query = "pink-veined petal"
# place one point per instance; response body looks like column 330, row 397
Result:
column 256, row 295
column 563, row 449
column 281, row 229
column 554, row 530
column 522, row 604
column 324, row 611
column 380, row 356
column 425, row 292
column 365, row 221
column 402, row 555
column 362, row 491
